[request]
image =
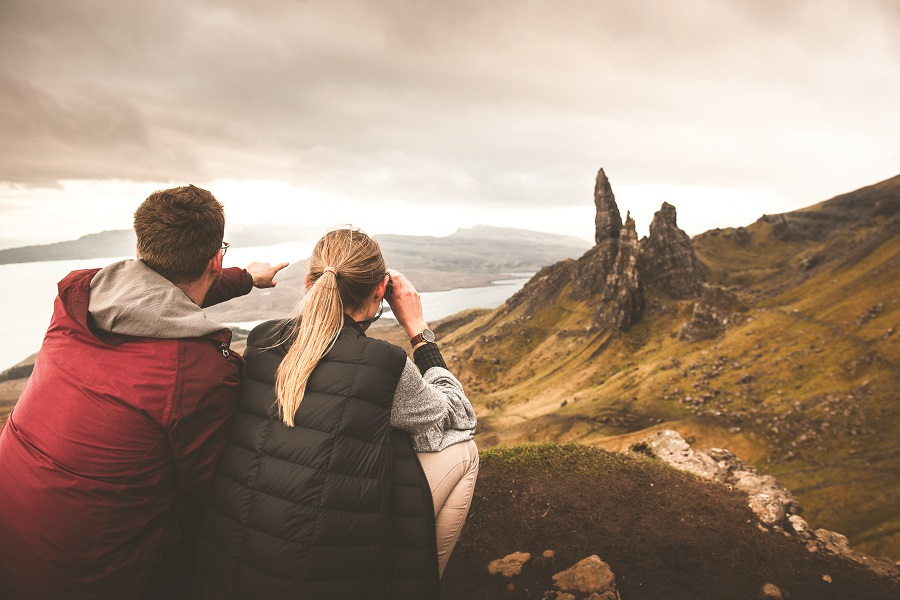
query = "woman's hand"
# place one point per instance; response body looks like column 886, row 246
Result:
column 406, row 304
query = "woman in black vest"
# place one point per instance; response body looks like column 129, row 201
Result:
column 350, row 468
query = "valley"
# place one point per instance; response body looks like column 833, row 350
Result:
column 788, row 357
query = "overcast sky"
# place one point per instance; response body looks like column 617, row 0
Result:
column 418, row 116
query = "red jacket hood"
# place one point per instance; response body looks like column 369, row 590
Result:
column 128, row 298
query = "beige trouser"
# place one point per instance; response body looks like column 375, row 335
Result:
column 451, row 474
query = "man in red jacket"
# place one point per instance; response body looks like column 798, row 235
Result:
column 123, row 421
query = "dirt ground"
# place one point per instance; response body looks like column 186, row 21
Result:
column 663, row 533
column 9, row 394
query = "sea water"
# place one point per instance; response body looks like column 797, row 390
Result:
column 29, row 289
column 437, row 305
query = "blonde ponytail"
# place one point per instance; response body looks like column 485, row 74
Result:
column 344, row 269
column 317, row 330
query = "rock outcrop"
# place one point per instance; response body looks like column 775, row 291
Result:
column 617, row 271
column 775, row 507
column 668, row 262
column 591, row 272
column 717, row 309
column 543, row 288
column 879, row 201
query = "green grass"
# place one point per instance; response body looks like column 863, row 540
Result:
column 572, row 459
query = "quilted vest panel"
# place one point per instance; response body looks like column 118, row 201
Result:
column 335, row 507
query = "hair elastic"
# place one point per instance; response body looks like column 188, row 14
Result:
column 327, row 269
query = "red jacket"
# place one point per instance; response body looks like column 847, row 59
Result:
column 112, row 434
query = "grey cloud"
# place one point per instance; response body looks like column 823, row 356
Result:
column 506, row 101
column 76, row 135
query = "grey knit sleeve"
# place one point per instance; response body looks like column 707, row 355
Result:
column 432, row 408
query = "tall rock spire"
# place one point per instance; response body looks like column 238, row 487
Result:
column 615, row 275
column 608, row 222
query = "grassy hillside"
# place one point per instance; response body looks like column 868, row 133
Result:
column 664, row 533
column 804, row 387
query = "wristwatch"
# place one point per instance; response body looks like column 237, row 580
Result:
column 427, row 336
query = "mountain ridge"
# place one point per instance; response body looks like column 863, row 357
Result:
column 121, row 242
column 787, row 355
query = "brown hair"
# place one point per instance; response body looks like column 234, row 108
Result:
column 179, row 231
column 345, row 268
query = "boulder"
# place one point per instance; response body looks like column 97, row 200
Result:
column 773, row 504
column 770, row 591
column 833, row 542
column 755, row 484
column 510, row 565
column 589, row 576
column 669, row 447
column 767, row 509
column 716, row 310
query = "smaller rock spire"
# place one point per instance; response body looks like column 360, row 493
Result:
column 624, row 291
column 668, row 261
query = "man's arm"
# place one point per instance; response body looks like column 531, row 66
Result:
column 205, row 400
column 236, row 282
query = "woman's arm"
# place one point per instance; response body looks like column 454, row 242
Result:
column 431, row 405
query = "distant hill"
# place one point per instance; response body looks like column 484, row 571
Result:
column 783, row 348
column 121, row 242
column 466, row 258
column 480, row 249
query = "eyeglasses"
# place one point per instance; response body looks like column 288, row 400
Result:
column 389, row 289
column 224, row 248
column 365, row 324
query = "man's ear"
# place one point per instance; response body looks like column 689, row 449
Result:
column 215, row 264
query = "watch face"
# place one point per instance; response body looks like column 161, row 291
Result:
column 428, row 335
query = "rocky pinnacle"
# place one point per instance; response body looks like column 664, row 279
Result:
column 668, row 262
column 608, row 222
column 619, row 270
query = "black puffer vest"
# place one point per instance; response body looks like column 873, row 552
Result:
column 335, row 507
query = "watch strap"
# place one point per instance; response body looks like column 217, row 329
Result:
column 424, row 336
